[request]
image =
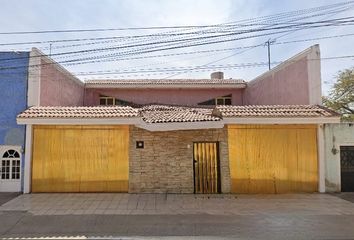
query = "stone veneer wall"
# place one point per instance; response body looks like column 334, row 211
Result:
column 165, row 164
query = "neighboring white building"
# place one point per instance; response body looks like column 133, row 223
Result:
column 339, row 155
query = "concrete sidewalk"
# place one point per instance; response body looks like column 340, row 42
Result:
column 167, row 204
column 152, row 216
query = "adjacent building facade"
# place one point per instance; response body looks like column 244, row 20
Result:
column 339, row 155
column 13, row 87
column 28, row 79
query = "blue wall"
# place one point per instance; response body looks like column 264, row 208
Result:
column 13, row 96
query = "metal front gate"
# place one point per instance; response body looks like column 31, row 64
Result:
column 206, row 167
column 347, row 168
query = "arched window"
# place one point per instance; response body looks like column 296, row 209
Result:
column 10, row 165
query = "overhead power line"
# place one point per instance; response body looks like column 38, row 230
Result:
column 149, row 47
column 332, row 22
column 295, row 16
column 263, row 19
column 215, row 61
column 105, row 29
column 169, row 70
column 115, row 56
column 80, row 61
column 256, row 21
column 174, row 27
column 191, row 68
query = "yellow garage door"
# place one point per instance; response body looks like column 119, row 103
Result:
column 273, row 158
column 80, row 159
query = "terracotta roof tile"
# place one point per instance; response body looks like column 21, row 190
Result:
column 79, row 112
column 126, row 82
column 276, row 111
column 168, row 114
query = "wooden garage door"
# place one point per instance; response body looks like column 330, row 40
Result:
column 273, row 158
column 80, row 159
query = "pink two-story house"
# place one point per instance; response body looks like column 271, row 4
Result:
column 215, row 135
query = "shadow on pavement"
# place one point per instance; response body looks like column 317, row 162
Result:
column 349, row 196
column 5, row 197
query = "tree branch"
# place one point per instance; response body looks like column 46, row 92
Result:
column 348, row 109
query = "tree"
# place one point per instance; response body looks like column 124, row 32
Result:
column 341, row 96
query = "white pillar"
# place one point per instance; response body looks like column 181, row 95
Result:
column 321, row 159
column 34, row 79
column 28, row 159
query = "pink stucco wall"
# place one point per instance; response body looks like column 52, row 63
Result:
column 287, row 85
column 296, row 81
column 186, row 97
column 58, row 87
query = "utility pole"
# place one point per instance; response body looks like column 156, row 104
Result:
column 268, row 43
column 50, row 49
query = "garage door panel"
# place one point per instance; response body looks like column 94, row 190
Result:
column 273, row 159
column 308, row 167
column 238, row 150
column 80, row 159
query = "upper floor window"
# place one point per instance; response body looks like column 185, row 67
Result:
column 225, row 100
column 110, row 101
column 106, row 101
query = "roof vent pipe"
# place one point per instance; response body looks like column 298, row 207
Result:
column 217, row 75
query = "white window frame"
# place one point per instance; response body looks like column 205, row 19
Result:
column 11, row 185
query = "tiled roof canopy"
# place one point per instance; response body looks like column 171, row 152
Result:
column 80, row 112
column 169, row 114
column 275, row 111
column 175, row 114
column 165, row 82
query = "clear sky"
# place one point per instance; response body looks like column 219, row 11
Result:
column 34, row 15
